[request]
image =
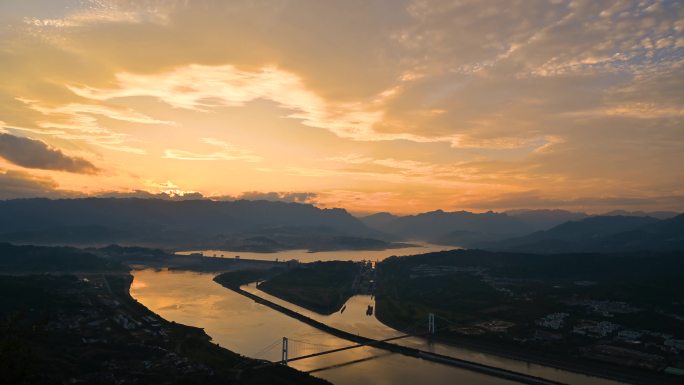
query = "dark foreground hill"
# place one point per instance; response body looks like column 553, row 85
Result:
column 614, row 315
column 238, row 225
column 75, row 323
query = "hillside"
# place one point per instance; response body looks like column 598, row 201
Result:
column 460, row 228
column 182, row 224
column 468, row 229
column 601, row 234
column 36, row 259
column 539, row 220
column 613, row 314
column 66, row 316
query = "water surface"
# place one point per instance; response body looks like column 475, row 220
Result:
column 241, row 325
column 338, row 255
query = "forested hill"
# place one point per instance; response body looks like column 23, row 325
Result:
column 192, row 223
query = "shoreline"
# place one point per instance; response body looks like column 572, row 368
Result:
column 250, row 367
column 599, row 370
column 389, row 246
column 381, row 344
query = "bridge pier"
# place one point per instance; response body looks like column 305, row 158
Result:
column 431, row 324
column 285, row 349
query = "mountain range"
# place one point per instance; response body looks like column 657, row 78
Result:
column 236, row 225
column 270, row 226
column 460, row 228
column 508, row 229
column 601, row 234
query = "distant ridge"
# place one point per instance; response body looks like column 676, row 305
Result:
column 181, row 224
column 378, row 220
column 601, row 234
column 546, row 219
column 528, row 230
column 654, row 214
column 464, row 228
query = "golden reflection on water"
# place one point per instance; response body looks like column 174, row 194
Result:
column 239, row 324
column 336, row 255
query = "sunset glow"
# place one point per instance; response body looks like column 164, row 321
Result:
column 401, row 106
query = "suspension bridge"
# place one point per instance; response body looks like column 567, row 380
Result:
column 384, row 344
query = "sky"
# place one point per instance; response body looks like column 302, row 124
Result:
column 400, row 106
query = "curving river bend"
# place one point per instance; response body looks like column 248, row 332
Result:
column 241, row 325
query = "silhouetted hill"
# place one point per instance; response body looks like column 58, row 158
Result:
column 460, row 228
column 36, row 259
column 66, row 317
column 665, row 235
column 602, row 234
column 463, row 228
column 156, row 222
column 378, row 220
column 654, row 214
column 545, row 219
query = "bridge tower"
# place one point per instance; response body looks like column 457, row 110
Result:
column 285, row 346
column 431, row 323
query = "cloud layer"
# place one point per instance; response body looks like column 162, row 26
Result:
column 398, row 105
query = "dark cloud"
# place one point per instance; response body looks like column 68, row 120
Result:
column 17, row 184
column 298, row 197
column 148, row 195
column 32, row 153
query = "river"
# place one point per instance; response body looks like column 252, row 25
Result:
column 243, row 326
column 337, row 255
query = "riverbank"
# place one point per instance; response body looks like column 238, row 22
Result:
column 304, row 255
column 547, row 359
column 322, row 287
column 86, row 328
column 523, row 307
column 405, row 350
column 67, row 316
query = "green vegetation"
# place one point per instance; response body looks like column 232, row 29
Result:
column 43, row 259
column 320, row 286
column 158, row 259
column 511, row 303
column 235, row 279
column 77, row 323
column 260, row 226
column 60, row 328
column 458, row 296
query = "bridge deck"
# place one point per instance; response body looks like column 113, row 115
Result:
column 405, row 350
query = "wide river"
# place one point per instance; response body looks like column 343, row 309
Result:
column 241, row 325
column 338, row 255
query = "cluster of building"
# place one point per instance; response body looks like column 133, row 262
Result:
column 102, row 321
column 605, row 308
column 595, row 329
column 614, row 343
column 553, row 321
